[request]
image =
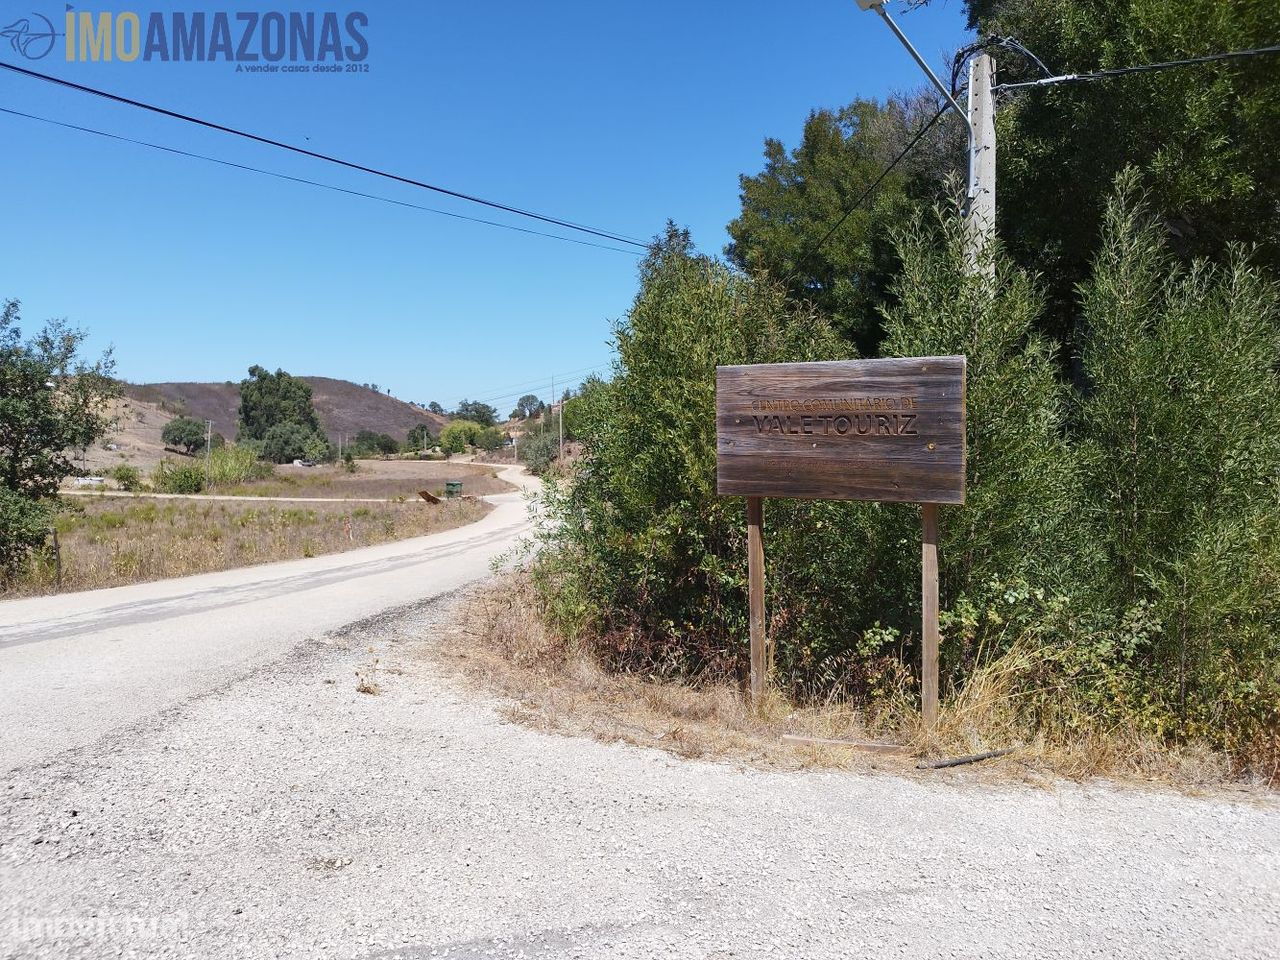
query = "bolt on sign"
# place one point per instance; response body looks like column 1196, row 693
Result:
column 890, row 430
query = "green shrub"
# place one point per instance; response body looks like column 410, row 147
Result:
column 24, row 526
column 1117, row 559
column 234, row 464
column 538, row 451
column 1180, row 430
column 289, row 441
column 170, row 477
column 644, row 559
column 126, row 476
column 458, row 435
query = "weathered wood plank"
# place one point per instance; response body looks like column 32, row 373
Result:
column 929, row 614
column 889, row 429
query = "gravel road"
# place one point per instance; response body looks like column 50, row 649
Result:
column 77, row 665
column 283, row 814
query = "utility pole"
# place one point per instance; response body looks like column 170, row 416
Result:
column 208, row 452
column 981, row 224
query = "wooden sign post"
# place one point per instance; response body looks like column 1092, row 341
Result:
column 891, row 430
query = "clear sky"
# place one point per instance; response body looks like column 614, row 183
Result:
column 616, row 114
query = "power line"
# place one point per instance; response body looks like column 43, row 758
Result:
column 518, row 390
column 800, row 261
column 209, row 124
column 311, row 183
column 1142, row 68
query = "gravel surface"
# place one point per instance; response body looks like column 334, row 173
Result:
column 283, row 814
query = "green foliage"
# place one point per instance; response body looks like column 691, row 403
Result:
column 126, row 477
column 539, row 450
column 458, row 435
column 644, row 556
column 477, row 412
column 419, row 438
column 370, row 443
column 270, row 399
column 526, row 407
column 185, row 433
column 24, row 525
column 1181, row 432
column 1022, row 500
column 289, row 441
column 52, row 403
column 489, row 438
column 572, row 408
column 790, row 206
column 234, row 464
column 1204, row 138
column 170, row 477
column 1117, row 555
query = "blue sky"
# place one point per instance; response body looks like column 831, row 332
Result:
column 618, row 115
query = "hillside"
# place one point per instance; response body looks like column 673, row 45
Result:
column 344, row 407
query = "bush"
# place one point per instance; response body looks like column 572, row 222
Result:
column 286, row 442
column 644, row 560
column 170, row 477
column 539, row 451
column 489, row 438
column 24, row 526
column 1180, row 430
column 1117, row 560
column 458, row 435
column 126, row 477
column 368, row 443
column 230, row 465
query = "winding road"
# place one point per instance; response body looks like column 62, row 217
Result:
column 75, row 666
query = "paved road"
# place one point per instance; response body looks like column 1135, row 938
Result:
column 77, row 665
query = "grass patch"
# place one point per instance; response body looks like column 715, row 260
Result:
column 109, row 542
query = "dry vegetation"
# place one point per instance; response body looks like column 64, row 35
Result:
column 501, row 643
column 112, row 541
column 373, row 479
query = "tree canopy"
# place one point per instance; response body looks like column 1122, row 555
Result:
column 477, row 412
column 1203, row 138
column 185, row 433
column 789, row 207
column 52, row 403
column 268, row 399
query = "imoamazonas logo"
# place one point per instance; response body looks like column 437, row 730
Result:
column 256, row 42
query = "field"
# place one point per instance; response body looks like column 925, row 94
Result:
column 376, row 479
column 111, row 541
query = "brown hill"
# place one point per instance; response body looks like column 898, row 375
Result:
column 343, row 407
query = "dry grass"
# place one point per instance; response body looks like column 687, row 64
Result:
column 112, row 541
column 374, row 479
column 501, row 643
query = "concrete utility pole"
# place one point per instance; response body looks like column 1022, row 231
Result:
column 979, row 121
column 981, row 224
column 208, row 452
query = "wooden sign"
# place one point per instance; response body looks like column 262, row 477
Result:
column 845, row 430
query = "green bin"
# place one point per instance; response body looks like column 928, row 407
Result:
column 453, row 488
